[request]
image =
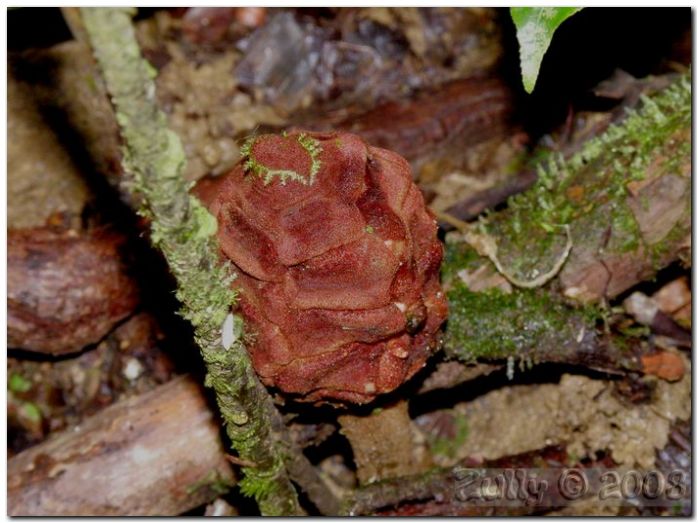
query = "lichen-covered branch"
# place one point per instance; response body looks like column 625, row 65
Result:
column 625, row 200
column 185, row 232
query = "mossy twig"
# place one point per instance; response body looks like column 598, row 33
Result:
column 185, row 232
column 624, row 202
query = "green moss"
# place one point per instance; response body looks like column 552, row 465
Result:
column 212, row 481
column 624, row 222
column 495, row 325
column 634, row 331
column 678, row 233
column 458, row 256
column 529, row 234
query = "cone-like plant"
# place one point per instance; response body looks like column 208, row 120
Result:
column 338, row 264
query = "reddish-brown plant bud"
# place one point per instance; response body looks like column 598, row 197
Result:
column 338, row 264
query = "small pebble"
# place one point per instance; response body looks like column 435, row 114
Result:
column 133, row 369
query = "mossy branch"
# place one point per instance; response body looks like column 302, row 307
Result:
column 623, row 202
column 185, row 232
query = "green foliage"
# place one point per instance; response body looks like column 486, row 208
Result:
column 18, row 383
column 535, row 27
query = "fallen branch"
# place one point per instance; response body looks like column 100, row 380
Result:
column 382, row 442
column 621, row 87
column 438, row 492
column 65, row 289
column 185, row 232
column 438, row 122
column 448, row 492
column 625, row 197
column 133, row 458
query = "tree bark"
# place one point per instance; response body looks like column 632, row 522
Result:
column 65, row 289
column 158, row 453
column 531, row 282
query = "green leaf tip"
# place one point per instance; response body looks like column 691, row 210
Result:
column 535, row 27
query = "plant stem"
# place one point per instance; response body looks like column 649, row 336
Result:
column 185, row 233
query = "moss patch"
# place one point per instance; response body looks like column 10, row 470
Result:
column 496, row 325
column 530, row 235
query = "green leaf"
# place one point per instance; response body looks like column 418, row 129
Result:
column 18, row 383
column 535, row 27
column 31, row 412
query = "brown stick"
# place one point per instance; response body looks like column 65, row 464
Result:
column 155, row 454
column 461, row 113
column 623, row 209
column 437, row 492
column 382, row 442
column 65, row 289
column 474, row 205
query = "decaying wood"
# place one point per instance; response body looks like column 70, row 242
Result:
column 66, row 289
column 438, row 123
column 159, row 453
column 438, row 492
column 177, row 420
column 383, row 443
column 622, row 203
